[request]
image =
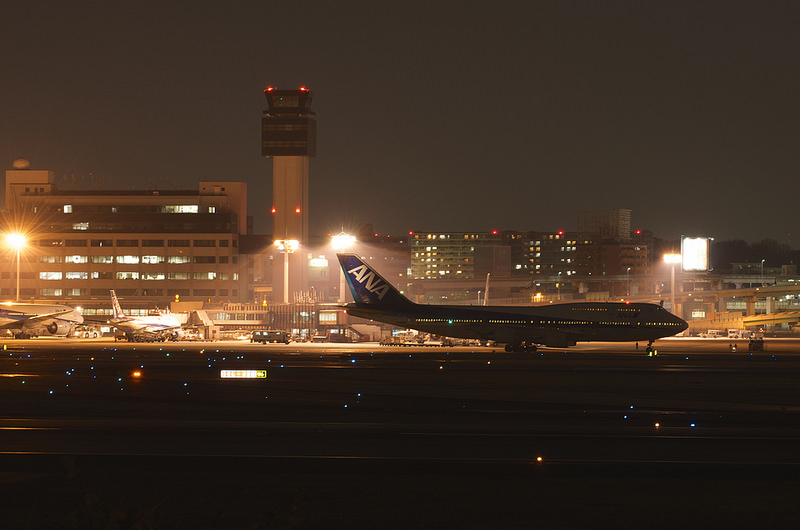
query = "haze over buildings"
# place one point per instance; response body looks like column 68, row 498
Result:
column 433, row 116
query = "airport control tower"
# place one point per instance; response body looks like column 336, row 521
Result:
column 289, row 136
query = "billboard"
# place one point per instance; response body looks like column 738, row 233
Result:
column 694, row 251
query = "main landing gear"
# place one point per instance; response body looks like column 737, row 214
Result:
column 651, row 351
column 521, row 348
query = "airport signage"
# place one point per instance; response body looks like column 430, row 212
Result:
column 243, row 374
column 695, row 253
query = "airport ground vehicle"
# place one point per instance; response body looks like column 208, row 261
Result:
column 264, row 336
column 739, row 334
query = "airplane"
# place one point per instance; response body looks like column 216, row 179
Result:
column 521, row 328
column 31, row 320
column 163, row 326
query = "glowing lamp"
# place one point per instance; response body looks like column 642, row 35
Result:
column 15, row 240
column 342, row 241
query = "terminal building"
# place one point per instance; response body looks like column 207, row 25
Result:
column 152, row 246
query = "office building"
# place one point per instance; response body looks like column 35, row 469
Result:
column 152, row 246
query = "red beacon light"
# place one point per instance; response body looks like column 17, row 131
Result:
column 269, row 89
column 297, row 210
column 273, row 209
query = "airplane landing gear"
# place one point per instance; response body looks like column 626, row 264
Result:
column 521, row 348
column 651, row 351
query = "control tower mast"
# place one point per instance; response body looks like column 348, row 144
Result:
column 289, row 136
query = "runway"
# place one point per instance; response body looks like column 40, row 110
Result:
column 604, row 419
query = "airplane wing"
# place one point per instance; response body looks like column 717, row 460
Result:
column 18, row 324
column 155, row 329
column 96, row 319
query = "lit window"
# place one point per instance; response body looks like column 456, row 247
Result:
column 180, row 208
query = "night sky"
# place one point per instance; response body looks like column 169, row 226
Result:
column 434, row 116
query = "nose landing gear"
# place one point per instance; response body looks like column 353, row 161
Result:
column 521, row 347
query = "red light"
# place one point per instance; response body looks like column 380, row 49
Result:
column 269, row 89
column 494, row 232
column 303, row 89
column 561, row 232
column 273, row 209
column 638, row 232
column 376, row 234
column 297, row 210
column 411, row 233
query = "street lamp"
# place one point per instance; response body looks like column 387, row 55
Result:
column 628, row 281
column 672, row 259
column 16, row 241
column 341, row 242
column 286, row 247
column 558, row 285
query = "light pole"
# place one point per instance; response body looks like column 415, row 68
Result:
column 16, row 241
column 342, row 242
column 672, row 259
column 628, row 281
column 286, row 246
column 558, row 285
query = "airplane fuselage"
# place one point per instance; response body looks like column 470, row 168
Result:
column 38, row 319
column 521, row 328
column 155, row 324
column 557, row 325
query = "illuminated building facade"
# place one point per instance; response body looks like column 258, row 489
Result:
column 447, row 255
column 151, row 246
column 554, row 253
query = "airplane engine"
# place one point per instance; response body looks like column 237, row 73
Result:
column 178, row 334
column 58, row 328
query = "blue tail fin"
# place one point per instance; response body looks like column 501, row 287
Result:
column 115, row 304
column 367, row 286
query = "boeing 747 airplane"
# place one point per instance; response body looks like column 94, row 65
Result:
column 30, row 320
column 150, row 328
column 520, row 328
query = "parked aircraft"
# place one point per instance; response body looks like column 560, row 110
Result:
column 164, row 326
column 30, row 320
column 521, row 328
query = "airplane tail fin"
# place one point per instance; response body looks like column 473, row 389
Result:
column 367, row 286
column 115, row 305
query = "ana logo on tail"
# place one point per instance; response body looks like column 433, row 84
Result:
column 371, row 281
